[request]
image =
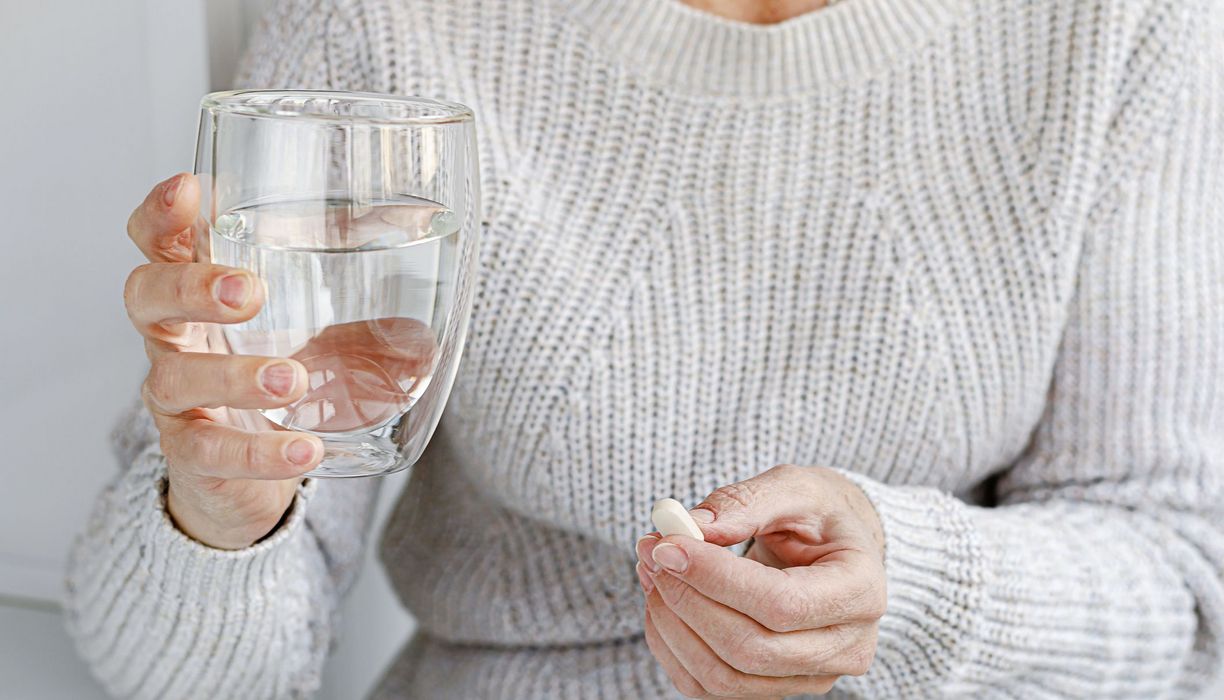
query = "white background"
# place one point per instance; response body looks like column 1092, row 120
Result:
column 99, row 104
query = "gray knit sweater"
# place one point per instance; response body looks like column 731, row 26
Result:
column 969, row 250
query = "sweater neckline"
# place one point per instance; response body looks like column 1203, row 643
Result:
column 702, row 53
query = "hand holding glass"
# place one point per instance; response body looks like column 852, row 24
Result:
column 360, row 213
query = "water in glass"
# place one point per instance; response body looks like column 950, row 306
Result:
column 359, row 293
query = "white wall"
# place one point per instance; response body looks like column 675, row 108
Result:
column 99, row 104
column 100, row 101
column 229, row 26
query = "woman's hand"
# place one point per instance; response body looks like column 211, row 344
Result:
column 228, row 485
column 802, row 606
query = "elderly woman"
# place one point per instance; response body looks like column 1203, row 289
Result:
column 958, row 265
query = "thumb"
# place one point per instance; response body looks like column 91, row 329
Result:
column 733, row 513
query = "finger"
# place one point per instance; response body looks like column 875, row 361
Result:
column 161, row 227
column 785, row 497
column 187, row 337
column 184, row 380
column 765, row 555
column 845, row 587
column 644, row 548
column 392, row 340
column 206, row 448
column 684, row 682
column 718, row 678
column 750, row 647
column 402, row 347
column 162, row 296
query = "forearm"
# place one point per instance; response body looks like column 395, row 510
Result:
column 1065, row 598
column 156, row 614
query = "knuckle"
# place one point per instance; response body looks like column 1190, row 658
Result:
column 755, row 654
column 133, row 224
column 786, row 612
column 844, row 606
column 187, row 287
column 676, row 593
column 132, row 287
column 876, row 600
column 160, row 384
column 786, row 470
column 146, row 396
column 860, row 656
column 722, row 680
column 824, row 656
column 251, row 452
column 207, row 447
column 168, row 443
column 865, row 599
column 823, row 686
column 193, row 445
column 842, row 640
column 687, row 687
column 742, row 493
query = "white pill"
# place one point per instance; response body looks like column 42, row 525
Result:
column 672, row 518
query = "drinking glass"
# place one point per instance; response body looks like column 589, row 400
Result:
column 360, row 213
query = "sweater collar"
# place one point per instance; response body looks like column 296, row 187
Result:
column 697, row 52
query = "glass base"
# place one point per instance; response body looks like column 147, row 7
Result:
column 356, row 457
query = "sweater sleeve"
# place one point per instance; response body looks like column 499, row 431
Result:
column 1100, row 573
column 156, row 614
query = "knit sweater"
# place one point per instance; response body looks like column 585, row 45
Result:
column 968, row 252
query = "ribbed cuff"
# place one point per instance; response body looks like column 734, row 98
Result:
column 166, row 542
column 933, row 564
column 140, row 589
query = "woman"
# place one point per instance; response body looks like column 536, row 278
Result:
column 959, row 261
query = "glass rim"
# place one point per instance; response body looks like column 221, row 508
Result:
column 229, row 102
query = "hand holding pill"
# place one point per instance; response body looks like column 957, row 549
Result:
column 800, row 609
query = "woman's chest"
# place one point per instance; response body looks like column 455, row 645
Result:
column 672, row 301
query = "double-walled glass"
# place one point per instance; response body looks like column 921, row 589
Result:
column 361, row 214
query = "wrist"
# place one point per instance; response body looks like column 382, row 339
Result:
column 223, row 525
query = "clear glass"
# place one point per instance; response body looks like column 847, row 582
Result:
column 361, row 214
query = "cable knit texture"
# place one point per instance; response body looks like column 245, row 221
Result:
column 969, row 252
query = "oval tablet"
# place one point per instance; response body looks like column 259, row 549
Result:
column 672, row 518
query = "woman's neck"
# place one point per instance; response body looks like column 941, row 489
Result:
column 757, row 11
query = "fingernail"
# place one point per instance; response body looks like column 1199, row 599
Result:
column 170, row 191
column 278, row 378
column 671, row 557
column 702, row 515
column 300, row 451
column 233, row 291
column 643, row 549
column 644, row 579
